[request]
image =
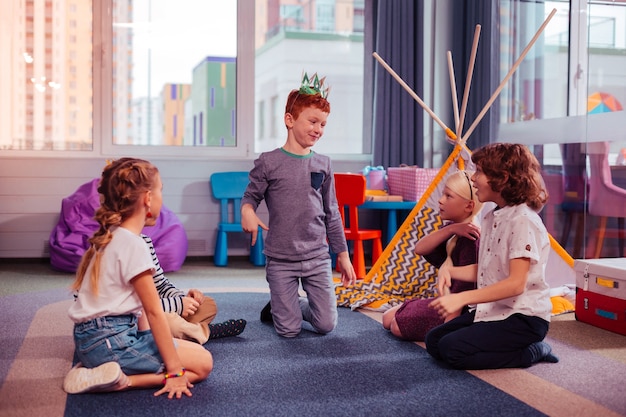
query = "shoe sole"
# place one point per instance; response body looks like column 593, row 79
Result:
column 79, row 379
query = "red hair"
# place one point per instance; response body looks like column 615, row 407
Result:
column 296, row 102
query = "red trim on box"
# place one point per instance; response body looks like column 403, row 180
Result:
column 602, row 311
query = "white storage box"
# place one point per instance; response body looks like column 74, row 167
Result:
column 601, row 293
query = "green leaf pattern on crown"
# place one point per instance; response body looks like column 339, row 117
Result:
column 313, row 85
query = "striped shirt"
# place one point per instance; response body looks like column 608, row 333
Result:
column 171, row 297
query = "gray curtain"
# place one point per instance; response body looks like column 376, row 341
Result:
column 397, row 118
column 466, row 15
column 398, row 121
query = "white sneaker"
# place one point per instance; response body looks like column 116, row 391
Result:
column 80, row 379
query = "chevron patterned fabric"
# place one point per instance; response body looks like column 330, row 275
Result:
column 403, row 274
column 400, row 274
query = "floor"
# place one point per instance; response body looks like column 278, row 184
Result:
column 26, row 275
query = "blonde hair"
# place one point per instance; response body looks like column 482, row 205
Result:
column 460, row 183
column 122, row 185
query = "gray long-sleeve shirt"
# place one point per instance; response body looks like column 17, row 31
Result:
column 299, row 192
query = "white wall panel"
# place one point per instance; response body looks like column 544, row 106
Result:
column 31, row 191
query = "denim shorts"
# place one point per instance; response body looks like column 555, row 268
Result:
column 117, row 339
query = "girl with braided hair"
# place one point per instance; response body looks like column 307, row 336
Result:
column 115, row 297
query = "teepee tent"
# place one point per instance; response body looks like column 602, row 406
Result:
column 400, row 274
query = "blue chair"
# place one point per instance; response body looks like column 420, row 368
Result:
column 228, row 188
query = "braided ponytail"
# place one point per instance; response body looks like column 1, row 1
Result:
column 122, row 184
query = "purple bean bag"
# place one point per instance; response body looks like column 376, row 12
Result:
column 69, row 238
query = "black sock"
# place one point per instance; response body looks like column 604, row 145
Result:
column 266, row 314
column 226, row 329
column 541, row 352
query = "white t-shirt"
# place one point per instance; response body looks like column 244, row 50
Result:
column 125, row 257
column 508, row 233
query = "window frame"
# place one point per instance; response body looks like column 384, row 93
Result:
column 102, row 76
column 578, row 58
column 245, row 101
column 102, row 99
column 561, row 130
column 102, row 134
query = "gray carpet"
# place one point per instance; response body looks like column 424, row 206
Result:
column 359, row 369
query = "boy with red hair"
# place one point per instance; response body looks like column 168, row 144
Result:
column 298, row 187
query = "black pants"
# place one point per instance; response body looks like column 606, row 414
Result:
column 464, row 344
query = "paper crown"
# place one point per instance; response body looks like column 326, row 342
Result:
column 313, row 85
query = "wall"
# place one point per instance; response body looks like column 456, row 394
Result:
column 31, row 190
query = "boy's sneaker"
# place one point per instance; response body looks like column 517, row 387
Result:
column 228, row 328
column 266, row 314
column 80, row 379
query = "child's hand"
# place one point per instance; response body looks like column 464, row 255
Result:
column 447, row 305
column 176, row 387
column 452, row 315
column 196, row 295
column 468, row 230
column 444, row 280
column 348, row 276
column 250, row 222
column 190, row 306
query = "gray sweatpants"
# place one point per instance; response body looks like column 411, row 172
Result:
column 319, row 308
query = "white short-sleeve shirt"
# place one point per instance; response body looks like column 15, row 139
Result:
column 513, row 232
column 125, row 257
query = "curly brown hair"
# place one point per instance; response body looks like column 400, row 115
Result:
column 123, row 183
column 296, row 102
column 514, row 172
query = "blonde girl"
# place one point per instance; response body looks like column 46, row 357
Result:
column 455, row 243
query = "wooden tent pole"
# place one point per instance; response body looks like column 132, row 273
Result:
column 390, row 70
column 468, row 80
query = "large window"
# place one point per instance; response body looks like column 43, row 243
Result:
column 156, row 77
column 566, row 103
column 150, row 77
column 174, row 65
column 175, row 74
column 208, row 78
column 574, row 69
column 46, row 75
column 314, row 36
